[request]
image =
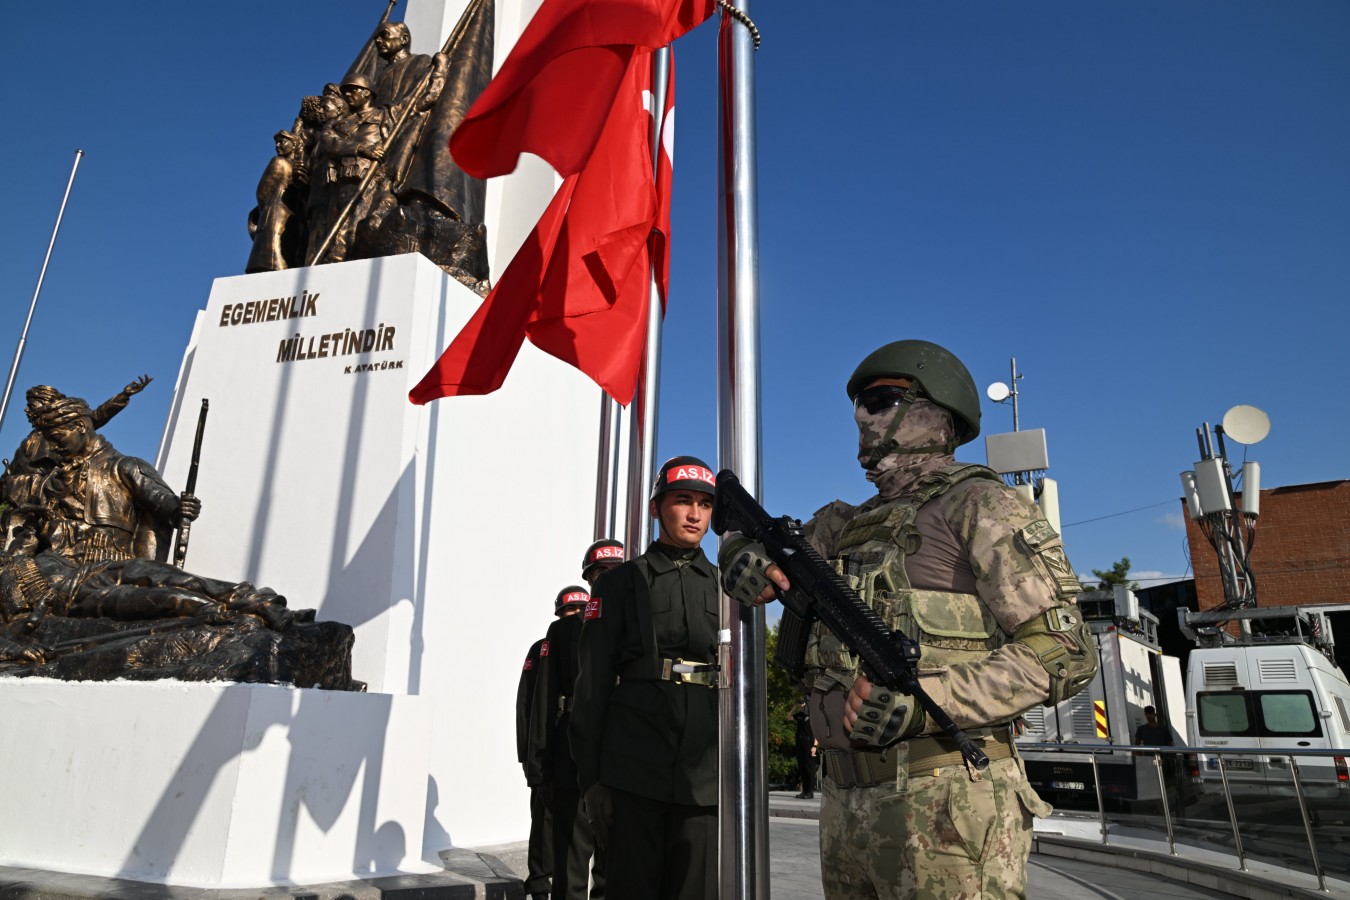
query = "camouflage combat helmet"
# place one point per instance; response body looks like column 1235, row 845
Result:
column 572, row 595
column 684, row 473
column 942, row 377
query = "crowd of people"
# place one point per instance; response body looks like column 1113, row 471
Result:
column 617, row 717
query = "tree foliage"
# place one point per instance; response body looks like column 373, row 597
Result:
column 1119, row 573
column 783, row 697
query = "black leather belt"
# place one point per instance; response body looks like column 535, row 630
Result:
column 864, row 768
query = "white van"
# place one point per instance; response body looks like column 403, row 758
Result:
column 1275, row 689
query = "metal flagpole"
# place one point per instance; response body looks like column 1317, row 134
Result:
column 606, row 476
column 744, row 806
column 642, row 440
column 23, row 336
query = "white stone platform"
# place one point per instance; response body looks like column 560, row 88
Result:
column 224, row 785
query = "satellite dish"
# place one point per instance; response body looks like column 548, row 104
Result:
column 1246, row 424
column 998, row 391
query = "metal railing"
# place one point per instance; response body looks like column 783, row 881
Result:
column 1094, row 751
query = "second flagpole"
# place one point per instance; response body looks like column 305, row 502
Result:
column 643, row 409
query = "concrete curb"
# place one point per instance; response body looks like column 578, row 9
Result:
column 469, row 875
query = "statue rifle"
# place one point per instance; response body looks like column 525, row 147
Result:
column 889, row 658
column 451, row 45
column 185, row 525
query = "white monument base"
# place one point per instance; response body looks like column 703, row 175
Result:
column 212, row 785
column 440, row 533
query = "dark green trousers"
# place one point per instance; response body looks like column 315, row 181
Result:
column 661, row 851
column 575, row 857
column 539, row 861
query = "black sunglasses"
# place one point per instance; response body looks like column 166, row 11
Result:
column 884, row 396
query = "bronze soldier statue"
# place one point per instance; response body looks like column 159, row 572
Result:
column 143, row 619
column 33, row 460
column 277, row 223
column 321, row 161
column 95, row 503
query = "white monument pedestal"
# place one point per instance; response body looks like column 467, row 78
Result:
column 213, row 785
column 440, row 533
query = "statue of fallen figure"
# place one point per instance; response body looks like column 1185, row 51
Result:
column 142, row 619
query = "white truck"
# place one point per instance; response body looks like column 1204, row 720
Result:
column 1134, row 673
column 1272, row 686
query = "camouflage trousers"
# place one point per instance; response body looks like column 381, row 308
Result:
column 946, row 834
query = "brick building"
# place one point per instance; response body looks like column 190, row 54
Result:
column 1301, row 554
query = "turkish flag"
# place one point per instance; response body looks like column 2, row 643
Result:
column 554, row 93
column 579, row 286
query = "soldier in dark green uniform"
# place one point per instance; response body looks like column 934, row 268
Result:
column 539, row 858
column 549, row 757
column 646, row 746
column 603, row 555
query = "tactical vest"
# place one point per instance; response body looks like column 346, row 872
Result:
column 870, row 553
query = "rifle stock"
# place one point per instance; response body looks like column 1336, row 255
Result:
column 889, row 658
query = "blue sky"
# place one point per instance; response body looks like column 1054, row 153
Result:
column 1148, row 204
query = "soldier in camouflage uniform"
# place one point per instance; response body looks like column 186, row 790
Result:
column 966, row 566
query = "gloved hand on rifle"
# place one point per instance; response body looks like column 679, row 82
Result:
column 878, row 717
column 874, row 717
column 748, row 574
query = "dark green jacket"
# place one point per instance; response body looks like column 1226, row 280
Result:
column 529, row 678
column 650, row 737
column 548, row 754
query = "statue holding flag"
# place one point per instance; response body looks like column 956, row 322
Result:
column 416, row 199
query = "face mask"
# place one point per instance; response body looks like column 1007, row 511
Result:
column 909, row 429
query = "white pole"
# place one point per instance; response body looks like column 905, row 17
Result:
column 744, row 806
column 23, row 336
column 642, row 440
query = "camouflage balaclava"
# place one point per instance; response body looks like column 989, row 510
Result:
column 900, row 445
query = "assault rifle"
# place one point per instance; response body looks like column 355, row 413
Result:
column 889, row 658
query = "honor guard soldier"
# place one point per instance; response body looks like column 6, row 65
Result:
column 550, row 755
column 539, row 858
column 968, row 568
column 644, row 718
column 603, row 555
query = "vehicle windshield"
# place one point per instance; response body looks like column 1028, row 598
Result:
column 1257, row 714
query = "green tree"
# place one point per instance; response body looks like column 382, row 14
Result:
column 1119, row 573
column 783, row 696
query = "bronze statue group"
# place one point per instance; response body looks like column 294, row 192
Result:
column 365, row 170
column 86, row 591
